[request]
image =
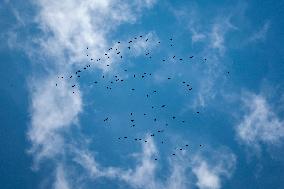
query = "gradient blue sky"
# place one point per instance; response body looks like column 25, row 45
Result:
column 53, row 138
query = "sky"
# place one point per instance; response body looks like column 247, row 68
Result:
column 230, row 125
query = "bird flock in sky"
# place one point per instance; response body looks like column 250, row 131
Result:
column 110, row 82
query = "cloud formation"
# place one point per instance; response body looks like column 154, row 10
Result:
column 260, row 35
column 67, row 28
column 61, row 181
column 210, row 169
column 86, row 24
column 210, row 172
column 260, row 125
column 52, row 110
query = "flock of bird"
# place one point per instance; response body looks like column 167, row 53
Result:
column 118, row 50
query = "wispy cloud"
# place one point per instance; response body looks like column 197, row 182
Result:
column 210, row 169
column 60, row 179
column 53, row 109
column 143, row 175
column 260, row 124
column 86, row 24
column 67, row 28
column 210, row 173
column 260, row 35
column 213, row 33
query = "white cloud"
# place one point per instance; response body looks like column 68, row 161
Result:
column 61, row 181
column 206, row 177
column 67, row 28
column 209, row 172
column 212, row 33
column 86, row 24
column 217, row 38
column 144, row 174
column 260, row 125
column 196, row 37
column 179, row 178
column 218, row 33
column 260, row 35
column 53, row 108
column 210, row 169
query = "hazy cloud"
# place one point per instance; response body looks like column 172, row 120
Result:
column 260, row 124
column 260, row 35
column 211, row 171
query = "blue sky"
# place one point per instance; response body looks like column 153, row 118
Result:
column 54, row 138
